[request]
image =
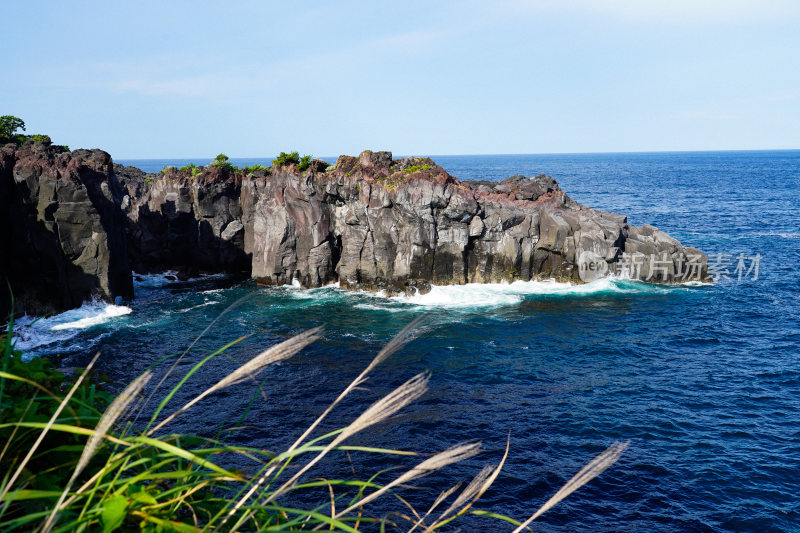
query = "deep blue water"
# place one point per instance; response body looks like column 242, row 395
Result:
column 704, row 381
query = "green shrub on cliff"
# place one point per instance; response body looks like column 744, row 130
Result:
column 191, row 169
column 72, row 459
column 289, row 158
column 9, row 125
column 38, row 137
column 221, row 161
column 304, row 163
column 256, row 168
column 284, row 159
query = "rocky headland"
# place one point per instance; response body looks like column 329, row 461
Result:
column 75, row 226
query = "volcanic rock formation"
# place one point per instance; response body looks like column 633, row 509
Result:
column 63, row 236
column 75, row 225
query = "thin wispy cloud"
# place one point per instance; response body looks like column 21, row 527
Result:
column 156, row 76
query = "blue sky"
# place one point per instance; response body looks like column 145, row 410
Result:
column 192, row 79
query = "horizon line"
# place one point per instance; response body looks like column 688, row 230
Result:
column 492, row 154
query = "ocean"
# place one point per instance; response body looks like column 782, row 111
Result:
column 703, row 381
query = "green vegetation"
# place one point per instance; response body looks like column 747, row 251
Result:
column 256, row 168
column 191, row 169
column 304, row 163
column 398, row 176
column 37, row 137
column 221, row 161
column 391, row 181
column 284, row 159
column 288, row 158
column 419, row 164
column 416, row 168
column 72, row 460
column 9, row 125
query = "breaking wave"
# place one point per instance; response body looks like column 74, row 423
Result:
column 31, row 332
column 474, row 295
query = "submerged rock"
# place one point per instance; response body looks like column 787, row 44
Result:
column 370, row 222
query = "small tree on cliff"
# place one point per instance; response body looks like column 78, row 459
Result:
column 9, row 125
column 222, row 161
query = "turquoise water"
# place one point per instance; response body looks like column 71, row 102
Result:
column 704, row 381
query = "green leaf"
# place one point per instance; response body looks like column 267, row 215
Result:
column 113, row 513
column 28, row 494
column 169, row 525
column 143, row 497
column 179, row 452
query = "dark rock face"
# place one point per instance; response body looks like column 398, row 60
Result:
column 63, row 238
column 190, row 225
column 76, row 225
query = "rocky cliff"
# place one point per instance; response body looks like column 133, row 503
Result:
column 76, row 225
column 63, row 237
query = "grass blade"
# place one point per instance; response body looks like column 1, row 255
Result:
column 592, row 469
column 271, row 355
column 47, row 427
column 114, row 411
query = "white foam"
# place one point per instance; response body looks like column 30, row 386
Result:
column 109, row 312
column 474, row 295
column 695, row 283
column 151, row 281
column 324, row 293
column 169, row 277
column 30, row 332
column 371, row 307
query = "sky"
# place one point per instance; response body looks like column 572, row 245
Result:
column 173, row 79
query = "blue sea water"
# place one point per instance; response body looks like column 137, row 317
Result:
column 703, row 381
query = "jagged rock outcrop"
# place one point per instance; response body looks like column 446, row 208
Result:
column 78, row 224
column 378, row 223
column 192, row 225
column 63, row 235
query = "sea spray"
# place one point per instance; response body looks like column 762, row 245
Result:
column 33, row 332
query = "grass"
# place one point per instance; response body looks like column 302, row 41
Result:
column 73, row 460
